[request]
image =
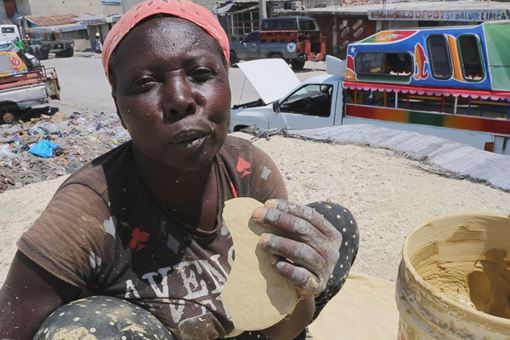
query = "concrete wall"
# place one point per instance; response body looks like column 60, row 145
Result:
column 77, row 7
column 127, row 4
column 23, row 7
column 111, row 9
column 3, row 15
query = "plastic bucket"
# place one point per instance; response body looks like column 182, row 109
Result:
column 451, row 279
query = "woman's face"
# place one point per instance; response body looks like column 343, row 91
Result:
column 172, row 93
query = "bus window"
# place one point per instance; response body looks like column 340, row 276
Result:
column 370, row 98
column 376, row 65
column 439, row 57
column 470, row 57
column 426, row 103
column 484, row 108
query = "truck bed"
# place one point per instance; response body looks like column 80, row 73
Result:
column 29, row 78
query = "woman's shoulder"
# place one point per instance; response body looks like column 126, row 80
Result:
column 101, row 173
column 235, row 147
column 253, row 172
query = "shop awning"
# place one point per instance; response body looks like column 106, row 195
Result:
column 429, row 91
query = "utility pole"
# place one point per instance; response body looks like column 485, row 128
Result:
column 262, row 11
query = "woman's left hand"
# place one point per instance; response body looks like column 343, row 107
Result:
column 305, row 245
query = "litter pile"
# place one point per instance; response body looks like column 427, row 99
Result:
column 49, row 146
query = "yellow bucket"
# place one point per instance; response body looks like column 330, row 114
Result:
column 454, row 279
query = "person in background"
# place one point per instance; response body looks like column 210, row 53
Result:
column 135, row 241
column 98, row 43
column 20, row 44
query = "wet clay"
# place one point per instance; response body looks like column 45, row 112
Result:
column 255, row 295
column 482, row 283
column 490, row 288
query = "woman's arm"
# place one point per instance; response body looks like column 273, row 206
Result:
column 28, row 296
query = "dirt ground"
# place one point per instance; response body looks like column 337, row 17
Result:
column 388, row 194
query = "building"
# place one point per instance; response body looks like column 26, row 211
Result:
column 78, row 20
column 76, row 7
column 127, row 4
column 344, row 21
column 343, row 24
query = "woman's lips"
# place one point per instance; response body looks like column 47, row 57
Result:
column 189, row 137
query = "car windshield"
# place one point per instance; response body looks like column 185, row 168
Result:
column 252, row 37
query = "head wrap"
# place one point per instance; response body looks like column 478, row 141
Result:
column 200, row 16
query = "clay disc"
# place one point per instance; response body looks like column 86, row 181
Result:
column 255, row 295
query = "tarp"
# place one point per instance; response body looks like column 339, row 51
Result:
column 455, row 159
column 364, row 308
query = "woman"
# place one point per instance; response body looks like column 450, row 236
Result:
column 143, row 222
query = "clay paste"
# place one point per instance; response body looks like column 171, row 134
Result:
column 455, row 268
column 255, row 295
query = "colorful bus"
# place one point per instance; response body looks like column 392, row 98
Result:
column 453, row 82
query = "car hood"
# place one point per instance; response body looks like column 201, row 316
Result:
column 271, row 78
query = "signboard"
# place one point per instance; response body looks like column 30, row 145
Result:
column 438, row 15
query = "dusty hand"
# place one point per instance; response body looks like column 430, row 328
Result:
column 304, row 244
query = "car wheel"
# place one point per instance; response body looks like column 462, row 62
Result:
column 68, row 52
column 233, row 58
column 297, row 65
column 44, row 54
column 275, row 56
column 8, row 117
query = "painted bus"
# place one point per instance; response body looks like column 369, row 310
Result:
column 452, row 77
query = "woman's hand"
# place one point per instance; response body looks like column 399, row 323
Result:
column 305, row 246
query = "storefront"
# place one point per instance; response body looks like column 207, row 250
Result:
column 345, row 24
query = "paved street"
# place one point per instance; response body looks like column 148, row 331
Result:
column 85, row 88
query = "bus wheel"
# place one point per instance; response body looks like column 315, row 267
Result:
column 8, row 117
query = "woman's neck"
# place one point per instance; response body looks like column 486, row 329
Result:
column 191, row 196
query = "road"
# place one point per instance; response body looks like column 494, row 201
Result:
column 85, row 87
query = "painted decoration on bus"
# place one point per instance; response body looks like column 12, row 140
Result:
column 473, row 123
column 463, row 57
column 389, row 36
column 420, row 63
column 349, row 69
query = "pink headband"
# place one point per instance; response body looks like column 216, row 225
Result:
column 184, row 9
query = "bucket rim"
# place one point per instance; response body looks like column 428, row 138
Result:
column 410, row 268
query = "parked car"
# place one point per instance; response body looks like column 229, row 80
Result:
column 41, row 49
column 294, row 39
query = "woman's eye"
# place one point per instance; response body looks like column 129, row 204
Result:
column 142, row 81
column 202, row 74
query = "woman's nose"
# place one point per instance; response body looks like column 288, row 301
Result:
column 178, row 99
